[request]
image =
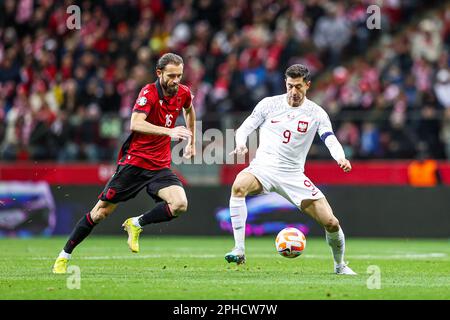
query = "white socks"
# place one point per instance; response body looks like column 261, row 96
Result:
column 135, row 221
column 238, row 214
column 336, row 240
column 64, row 254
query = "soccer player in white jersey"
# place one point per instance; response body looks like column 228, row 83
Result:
column 288, row 124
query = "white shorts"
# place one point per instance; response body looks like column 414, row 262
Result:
column 294, row 186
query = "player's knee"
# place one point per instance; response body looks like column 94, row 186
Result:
column 101, row 210
column 99, row 214
column 332, row 225
column 178, row 207
column 239, row 190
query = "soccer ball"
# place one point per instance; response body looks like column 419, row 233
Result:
column 290, row 242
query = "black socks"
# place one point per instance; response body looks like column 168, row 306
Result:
column 160, row 213
column 81, row 231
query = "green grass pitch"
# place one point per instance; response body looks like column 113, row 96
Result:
column 194, row 268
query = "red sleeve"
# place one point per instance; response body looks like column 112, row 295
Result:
column 143, row 102
column 189, row 97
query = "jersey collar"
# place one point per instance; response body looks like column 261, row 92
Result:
column 160, row 91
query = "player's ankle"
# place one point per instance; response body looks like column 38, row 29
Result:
column 64, row 255
column 135, row 221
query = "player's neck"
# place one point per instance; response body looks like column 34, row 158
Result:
column 166, row 95
column 296, row 106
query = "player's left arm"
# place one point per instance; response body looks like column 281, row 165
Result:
column 327, row 136
column 189, row 117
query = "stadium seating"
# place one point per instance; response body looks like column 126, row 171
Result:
column 66, row 95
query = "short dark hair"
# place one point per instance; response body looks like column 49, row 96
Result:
column 168, row 58
column 298, row 71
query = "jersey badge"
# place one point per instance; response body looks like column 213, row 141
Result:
column 302, row 126
column 142, row 101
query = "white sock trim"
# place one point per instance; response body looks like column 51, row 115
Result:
column 334, row 235
column 135, row 221
column 64, row 254
column 237, row 201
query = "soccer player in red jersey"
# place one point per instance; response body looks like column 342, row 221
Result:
column 144, row 159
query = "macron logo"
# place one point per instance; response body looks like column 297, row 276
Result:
column 275, row 121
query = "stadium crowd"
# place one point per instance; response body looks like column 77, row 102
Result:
column 66, row 94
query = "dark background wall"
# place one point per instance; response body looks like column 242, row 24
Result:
column 363, row 211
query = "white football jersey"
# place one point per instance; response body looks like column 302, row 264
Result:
column 286, row 133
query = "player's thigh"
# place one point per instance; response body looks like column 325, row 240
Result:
column 320, row 210
column 102, row 209
column 246, row 183
column 126, row 182
column 175, row 196
column 296, row 188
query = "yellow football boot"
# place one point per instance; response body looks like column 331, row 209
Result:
column 133, row 235
column 60, row 265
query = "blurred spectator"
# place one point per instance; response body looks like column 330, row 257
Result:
column 442, row 88
column 401, row 139
column 332, row 33
column 348, row 136
column 370, row 141
column 18, row 128
column 427, row 42
column 429, row 131
column 42, row 143
column 110, row 100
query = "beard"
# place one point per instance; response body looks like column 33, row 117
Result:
column 171, row 90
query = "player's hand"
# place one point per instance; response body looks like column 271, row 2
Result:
column 180, row 133
column 242, row 149
column 189, row 151
column 345, row 165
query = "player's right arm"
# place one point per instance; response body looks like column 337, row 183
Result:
column 326, row 134
column 247, row 127
column 139, row 124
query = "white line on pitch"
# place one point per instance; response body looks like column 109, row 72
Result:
column 306, row 256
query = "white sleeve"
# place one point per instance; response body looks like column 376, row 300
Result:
column 336, row 150
column 251, row 123
column 326, row 134
column 324, row 123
